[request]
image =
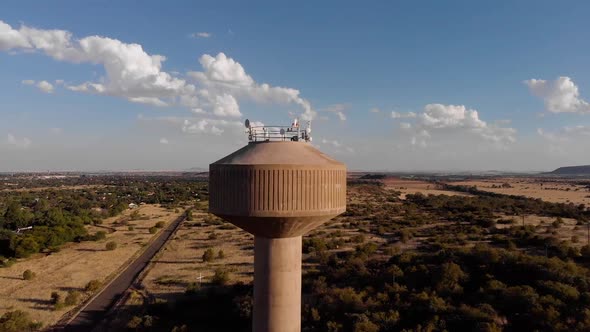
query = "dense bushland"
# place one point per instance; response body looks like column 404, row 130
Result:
column 58, row 216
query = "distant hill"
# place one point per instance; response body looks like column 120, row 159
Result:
column 197, row 169
column 572, row 170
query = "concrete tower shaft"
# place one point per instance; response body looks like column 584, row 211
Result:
column 278, row 191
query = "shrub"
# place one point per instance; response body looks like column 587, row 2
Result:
column 404, row 236
column 153, row 230
column 220, row 277
column 130, row 228
column 55, row 298
column 28, row 275
column 100, row 235
column 6, row 262
column 18, row 321
column 192, row 287
column 134, row 215
column 134, row 322
column 212, row 236
column 148, row 321
column 111, row 245
column 359, row 238
column 575, row 239
column 159, row 224
column 220, row 254
column 72, row 298
column 208, row 255
column 92, row 286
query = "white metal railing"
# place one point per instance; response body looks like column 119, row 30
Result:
column 278, row 133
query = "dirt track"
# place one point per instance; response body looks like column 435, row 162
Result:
column 97, row 308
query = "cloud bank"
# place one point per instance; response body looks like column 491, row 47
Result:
column 137, row 76
column 452, row 120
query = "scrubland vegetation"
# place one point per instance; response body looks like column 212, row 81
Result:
column 58, row 216
column 426, row 263
column 481, row 262
column 57, row 277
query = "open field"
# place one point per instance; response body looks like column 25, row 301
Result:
column 394, row 256
column 181, row 261
column 407, row 186
column 63, row 187
column 550, row 190
column 76, row 264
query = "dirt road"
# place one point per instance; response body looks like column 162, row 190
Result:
column 97, row 308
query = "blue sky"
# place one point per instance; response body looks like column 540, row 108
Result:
column 451, row 81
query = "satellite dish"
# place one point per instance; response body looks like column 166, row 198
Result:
column 247, row 123
column 282, row 131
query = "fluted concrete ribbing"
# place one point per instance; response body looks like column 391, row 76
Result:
column 277, row 284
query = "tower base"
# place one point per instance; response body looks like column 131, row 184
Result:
column 277, row 284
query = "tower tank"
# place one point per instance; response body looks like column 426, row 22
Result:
column 278, row 187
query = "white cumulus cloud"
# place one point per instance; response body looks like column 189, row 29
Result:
column 222, row 74
column 44, row 86
column 559, row 96
column 226, row 105
column 164, row 141
column 452, row 121
column 130, row 72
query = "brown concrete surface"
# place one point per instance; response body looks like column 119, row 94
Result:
column 277, row 284
column 277, row 189
column 97, row 308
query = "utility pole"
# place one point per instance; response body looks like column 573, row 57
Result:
column 200, row 278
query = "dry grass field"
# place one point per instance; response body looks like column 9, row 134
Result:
column 181, row 261
column 550, row 190
column 76, row 264
column 407, row 186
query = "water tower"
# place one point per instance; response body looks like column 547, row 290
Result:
column 278, row 187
